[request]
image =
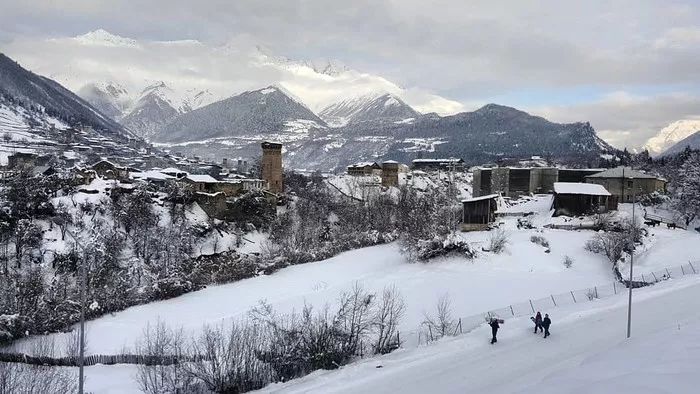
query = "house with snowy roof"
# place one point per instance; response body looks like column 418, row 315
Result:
column 574, row 198
column 625, row 182
column 364, row 169
column 110, row 170
column 438, row 164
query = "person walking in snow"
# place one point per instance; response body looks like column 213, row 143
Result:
column 494, row 329
column 546, row 322
column 538, row 322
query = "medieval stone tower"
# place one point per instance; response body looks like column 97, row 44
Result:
column 272, row 166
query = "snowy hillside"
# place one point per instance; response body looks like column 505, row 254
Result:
column 110, row 98
column 587, row 352
column 235, row 127
column 371, row 107
column 670, row 135
column 526, row 270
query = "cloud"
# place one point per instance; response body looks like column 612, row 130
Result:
column 442, row 55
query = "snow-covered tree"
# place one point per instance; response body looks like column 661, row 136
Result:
column 687, row 191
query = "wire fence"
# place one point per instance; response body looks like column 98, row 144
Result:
column 426, row 334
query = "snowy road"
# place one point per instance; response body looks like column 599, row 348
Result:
column 521, row 360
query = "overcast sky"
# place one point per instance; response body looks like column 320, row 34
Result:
column 628, row 67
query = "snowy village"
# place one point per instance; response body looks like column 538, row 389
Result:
column 181, row 216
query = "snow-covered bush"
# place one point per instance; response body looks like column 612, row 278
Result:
column 568, row 261
column 440, row 247
column 498, row 239
column 539, row 240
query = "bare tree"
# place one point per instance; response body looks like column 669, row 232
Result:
column 231, row 364
column 389, row 311
column 17, row 378
column 72, row 343
column 442, row 322
column 159, row 342
column 355, row 316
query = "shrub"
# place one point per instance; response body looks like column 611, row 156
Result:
column 442, row 323
column 498, row 241
column 568, row 262
column 539, row 240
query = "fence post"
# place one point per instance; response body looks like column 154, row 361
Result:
column 595, row 288
column 614, row 288
column 644, row 280
column 511, row 310
column 655, row 278
column 691, row 266
column 554, row 302
column 682, row 270
column 533, row 308
column 668, row 272
column 572, row 296
column 460, row 325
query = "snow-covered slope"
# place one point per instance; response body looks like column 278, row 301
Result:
column 587, row 353
column 156, row 104
column 42, row 95
column 371, row 107
column 110, row 98
column 240, row 123
column 670, row 135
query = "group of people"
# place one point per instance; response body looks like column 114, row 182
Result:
column 541, row 324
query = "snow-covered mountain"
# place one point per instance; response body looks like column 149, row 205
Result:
column 110, row 98
column 371, row 107
column 488, row 134
column 154, row 106
column 240, row 122
column 45, row 99
column 670, row 135
column 692, row 142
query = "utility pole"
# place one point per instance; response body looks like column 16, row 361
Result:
column 634, row 229
column 83, row 281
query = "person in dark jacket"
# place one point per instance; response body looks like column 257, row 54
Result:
column 546, row 322
column 494, row 329
column 538, row 322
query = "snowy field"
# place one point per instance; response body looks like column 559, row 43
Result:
column 524, row 271
column 587, row 353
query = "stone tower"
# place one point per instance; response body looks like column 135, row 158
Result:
column 390, row 173
column 272, row 166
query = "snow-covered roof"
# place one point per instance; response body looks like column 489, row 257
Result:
column 480, row 198
column 390, row 162
column 452, row 160
column 364, row 164
column 590, row 189
column 619, row 172
column 202, row 178
column 173, row 170
column 151, row 174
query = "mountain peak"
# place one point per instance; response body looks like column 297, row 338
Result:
column 671, row 134
column 377, row 106
column 497, row 108
column 104, row 38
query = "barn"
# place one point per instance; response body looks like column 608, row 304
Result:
column 479, row 212
column 571, row 199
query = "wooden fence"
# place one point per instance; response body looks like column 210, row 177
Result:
column 107, row 359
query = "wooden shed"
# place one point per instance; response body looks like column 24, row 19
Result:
column 571, row 199
column 479, row 212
